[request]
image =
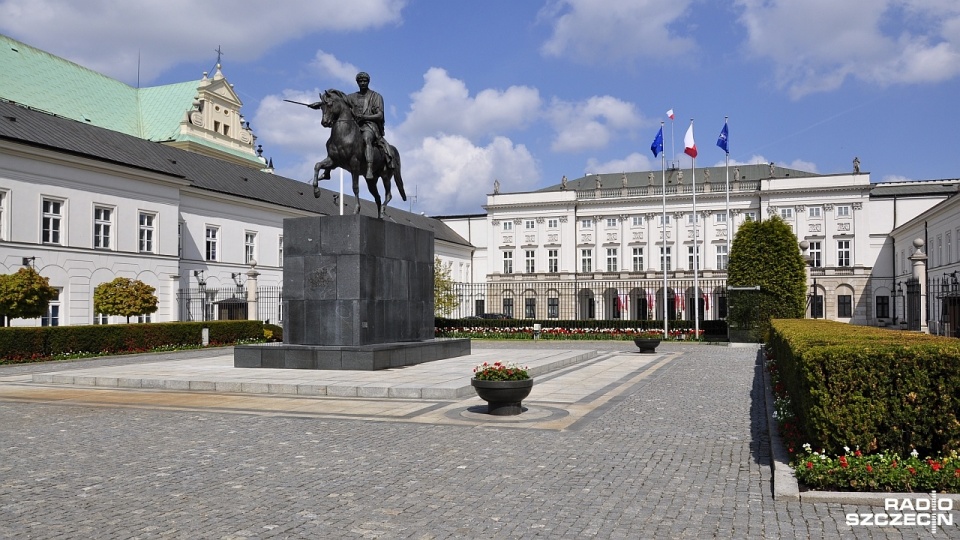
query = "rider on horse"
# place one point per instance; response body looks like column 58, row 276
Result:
column 368, row 110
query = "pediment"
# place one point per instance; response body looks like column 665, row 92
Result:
column 222, row 90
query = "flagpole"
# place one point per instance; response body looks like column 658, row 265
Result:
column 663, row 234
column 673, row 144
column 696, row 249
column 727, row 166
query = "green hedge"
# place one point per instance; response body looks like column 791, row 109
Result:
column 32, row 344
column 870, row 388
column 711, row 327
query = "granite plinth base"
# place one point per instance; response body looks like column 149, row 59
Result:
column 351, row 358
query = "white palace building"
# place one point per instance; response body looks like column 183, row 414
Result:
column 167, row 185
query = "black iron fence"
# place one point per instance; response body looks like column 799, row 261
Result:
column 943, row 305
column 229, row 303
column 591, row 299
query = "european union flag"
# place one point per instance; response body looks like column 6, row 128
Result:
column 657, row 145
column 722, row 140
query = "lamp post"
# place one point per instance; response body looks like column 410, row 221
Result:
column 202, row 285
column 808, row 259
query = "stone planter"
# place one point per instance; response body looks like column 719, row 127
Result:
column 647, row 345
column 503, row 397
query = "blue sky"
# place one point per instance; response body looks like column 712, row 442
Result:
column 529, row 91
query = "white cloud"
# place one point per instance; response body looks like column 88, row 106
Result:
column 444, row 106
column 756, row 159
column 816, row 45
column 455, row 175
column 613, row 31
column 591, row 123
column 632, row 163
column 110, row 37
column 328, row 64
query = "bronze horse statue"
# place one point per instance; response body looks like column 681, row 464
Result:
column 345, row 150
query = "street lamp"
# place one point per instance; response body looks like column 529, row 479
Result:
column 28, row 261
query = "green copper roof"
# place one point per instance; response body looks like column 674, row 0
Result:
column 49, row 83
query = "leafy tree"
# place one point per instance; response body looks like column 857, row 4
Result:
column 444, row 297
column 24, row 295
column 125, row 297
column 766, row 253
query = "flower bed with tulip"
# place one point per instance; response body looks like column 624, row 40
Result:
column 527, row 332
column 891, row 396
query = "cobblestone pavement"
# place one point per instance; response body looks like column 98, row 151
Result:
column 683, row 454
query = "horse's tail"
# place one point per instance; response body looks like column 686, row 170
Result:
column 396, row 172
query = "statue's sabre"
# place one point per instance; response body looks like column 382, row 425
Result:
column 297, row 102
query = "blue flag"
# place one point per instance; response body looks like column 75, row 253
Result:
column 657, row 145
column 722, row 140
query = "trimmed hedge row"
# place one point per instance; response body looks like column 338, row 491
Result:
column 711, row 327
column 870, row 388
column 19, row 345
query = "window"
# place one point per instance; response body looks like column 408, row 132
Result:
column 720, row 217
column 749, row 216
column 100, row 318
column 586, row 223
column 939, row 250
column 816, row 306
column 843, row 253
column 843, row 211
column 637, row 221
column 815, row 212
column 638, row 259
column 213, row 241
column 883, row 307
column 102, row 227
column 664, row 218
column 612, row 259
column 529, row 224
column 949, row 249
column 690, row 260
column 611, row 223
column 816, row 253
column 508, row 225
column 507, row 262
column 553, row 308
column 586, row 260
column 280, row 251
column 530, row 308
column 50, row 226
column 553, row 223
column 666, row 257
column 180, row 239
column 508, row 307
column 52, row 316
column 722, row 257
column 786, row 213
column 146, row 318
column 690, row 219
column 844, row 306
column 530, row 260
column 553, row 261
column 146, row 232
column 249, row 247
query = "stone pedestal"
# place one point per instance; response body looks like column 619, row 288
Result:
column 354, row 288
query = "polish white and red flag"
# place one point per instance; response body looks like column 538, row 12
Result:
column 670, row 114
column 689, row 147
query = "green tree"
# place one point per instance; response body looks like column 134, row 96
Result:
column 766, row 253
column 444, row 297
column 24, row 295
column 125, row 297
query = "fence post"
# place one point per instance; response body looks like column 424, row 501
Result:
column 253, row 314
column 174, row 304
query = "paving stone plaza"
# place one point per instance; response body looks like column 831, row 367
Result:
column 614, row 444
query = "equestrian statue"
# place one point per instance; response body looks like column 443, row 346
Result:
column 356, row 142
